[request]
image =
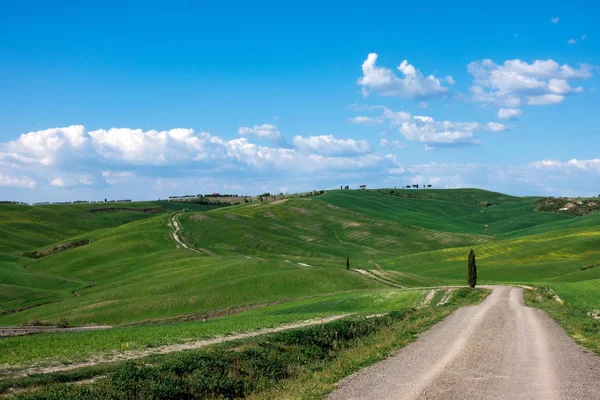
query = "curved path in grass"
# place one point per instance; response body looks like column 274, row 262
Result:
column 176, row 230
column 499, row 349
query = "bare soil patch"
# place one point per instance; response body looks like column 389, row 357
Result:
column 199, row 217
column 154, row 210
column 56, row 249
column 279, row 201
column 301, row 211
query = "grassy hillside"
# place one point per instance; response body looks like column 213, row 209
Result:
column 466, row 196
column 251, row 254
column 254, row 255
column 27, row 227
column 458, row 215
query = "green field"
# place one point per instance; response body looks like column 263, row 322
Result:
column 259, row 265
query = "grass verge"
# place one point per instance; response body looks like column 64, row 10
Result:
column 575, row 320
column 303, row 363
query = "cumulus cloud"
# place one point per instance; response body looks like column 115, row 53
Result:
column 264, row 131
column 17, row 182
column 329, row 145
column 46, row 147
column 509, row 113
column 365, row 120
column 436, row 134
column 72, row 180
column 384, row 81
column 123, row 155
column 392, row 143
column 555, row 20
column 541, row 82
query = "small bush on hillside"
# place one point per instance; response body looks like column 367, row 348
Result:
column 62, row 323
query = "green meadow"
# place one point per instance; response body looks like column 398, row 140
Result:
column 260, row 265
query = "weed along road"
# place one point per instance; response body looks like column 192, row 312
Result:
column 500, row 349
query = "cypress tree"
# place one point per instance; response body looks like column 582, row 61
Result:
column 347, row 262
column 472, row 269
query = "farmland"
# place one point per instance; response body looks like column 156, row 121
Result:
column 263, row 264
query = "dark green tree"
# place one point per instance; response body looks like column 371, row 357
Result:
column 347, row 262
column 472, row 269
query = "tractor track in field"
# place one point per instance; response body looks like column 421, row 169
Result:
column 190, row 345
column 177, row 238
column 371, row 275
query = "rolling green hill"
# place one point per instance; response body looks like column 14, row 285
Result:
column 254, row 255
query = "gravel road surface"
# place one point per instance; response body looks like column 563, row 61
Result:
column 500, row 349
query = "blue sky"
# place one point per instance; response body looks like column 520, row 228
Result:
column 124, row 99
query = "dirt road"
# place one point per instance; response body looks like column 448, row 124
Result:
column 176, row 230
column 500, row 349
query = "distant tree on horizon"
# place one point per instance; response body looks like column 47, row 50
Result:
column 472, row 268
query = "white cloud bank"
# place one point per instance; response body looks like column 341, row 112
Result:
column 71, row 163
column 17, row 182
column 515, row 82
column 413, row 84
column 436, row 134
column 72, row 157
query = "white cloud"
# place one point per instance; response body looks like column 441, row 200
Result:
column 509, row 113
column 392, row 143
column 496, row 127
column 46, row 147
column 396, row 118
column 116, row 177
column 385, row 82
column 571, row 41
column 72, row 180
column 555, row 20
column 176, row 146
column 450, row 80
column 118, row 155
column 331, row 146
column 264, row 131
column 515, row 81
column 592, row 165
column 435, row 134
column 17, row 182
column 545, row 99
column 366, row 120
